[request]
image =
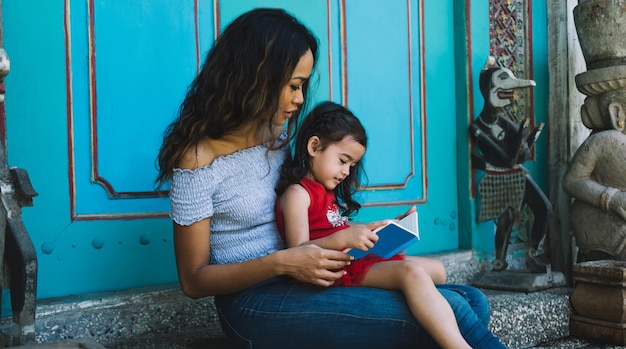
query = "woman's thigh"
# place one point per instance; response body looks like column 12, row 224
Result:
column 285, row 315
column 288, row 315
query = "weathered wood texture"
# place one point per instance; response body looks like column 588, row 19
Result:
column 558, row 119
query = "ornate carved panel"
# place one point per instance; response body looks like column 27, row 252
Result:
column 511, row 43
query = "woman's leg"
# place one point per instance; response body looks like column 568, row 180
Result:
column 474, row 297
column 427, row 304
column 278, row 315
column 288, row 315
column 471, row 309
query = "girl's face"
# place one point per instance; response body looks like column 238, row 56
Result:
column 291, row 97
column 330, row 166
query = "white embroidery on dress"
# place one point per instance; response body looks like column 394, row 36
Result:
column 333, row 216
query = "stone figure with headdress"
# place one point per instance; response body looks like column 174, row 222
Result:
column 596, row 176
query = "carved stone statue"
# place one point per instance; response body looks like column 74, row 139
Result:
column 596, row 176
column 596, row 179
column 507, row 186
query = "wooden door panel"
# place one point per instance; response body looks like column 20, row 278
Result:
column 378, row 87
column 140, row 60
column 395, row 84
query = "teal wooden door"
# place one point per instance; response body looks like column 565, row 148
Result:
column 94, row 83
column 399, row 69
column 392, row 64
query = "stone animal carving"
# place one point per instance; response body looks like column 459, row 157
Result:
column 504, row 146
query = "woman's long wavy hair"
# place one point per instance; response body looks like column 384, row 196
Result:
column 331, row 123
column 240, row 82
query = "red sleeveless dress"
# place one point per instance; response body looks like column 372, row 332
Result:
column 325, row 219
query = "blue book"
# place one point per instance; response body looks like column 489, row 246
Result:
column 393, row 238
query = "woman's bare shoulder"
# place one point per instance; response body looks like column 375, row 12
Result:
column 199, row 155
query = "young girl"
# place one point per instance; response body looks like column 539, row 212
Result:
column 315, row 199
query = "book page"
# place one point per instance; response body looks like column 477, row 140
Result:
column 410, row 222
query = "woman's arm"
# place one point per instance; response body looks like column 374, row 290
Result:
column 198, row 279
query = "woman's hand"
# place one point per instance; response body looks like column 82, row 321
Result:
column 314, row 265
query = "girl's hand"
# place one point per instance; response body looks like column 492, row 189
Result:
column 360, row 236
column 314, row 265
column 411, row 210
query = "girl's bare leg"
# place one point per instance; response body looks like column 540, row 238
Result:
column 428, row 306
column 433, row 267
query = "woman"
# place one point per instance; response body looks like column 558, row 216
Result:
column 223, row 155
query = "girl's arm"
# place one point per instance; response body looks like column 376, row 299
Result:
column 294, row 204
column 310, row 264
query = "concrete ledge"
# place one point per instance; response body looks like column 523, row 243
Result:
column 167, row 319
column 124, row 317
column 163, row 317
column 523, row 320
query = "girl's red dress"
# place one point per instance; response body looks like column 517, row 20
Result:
column 325, row 219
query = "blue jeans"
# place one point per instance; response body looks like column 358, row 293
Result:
column 277, row 314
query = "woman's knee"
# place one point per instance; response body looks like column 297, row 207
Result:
column 464, row 297
column 438, row 272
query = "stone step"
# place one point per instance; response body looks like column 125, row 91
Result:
column 519, row 319
column 163, row 317
column 524, row 320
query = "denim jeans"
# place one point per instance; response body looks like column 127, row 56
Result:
column 278, row 314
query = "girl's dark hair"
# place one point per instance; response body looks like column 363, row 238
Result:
column 330, row 122
column 240, row 82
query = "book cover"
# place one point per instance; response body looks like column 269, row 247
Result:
column 392, row 238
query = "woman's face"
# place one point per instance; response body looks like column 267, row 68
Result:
column 291, row 97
